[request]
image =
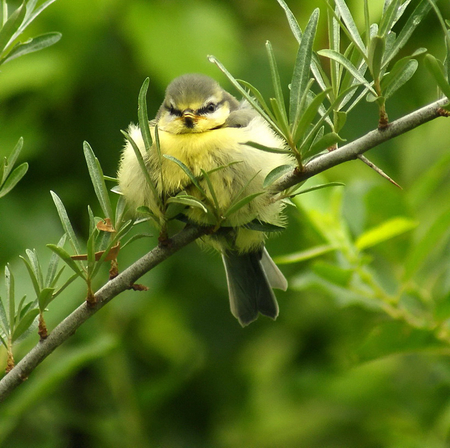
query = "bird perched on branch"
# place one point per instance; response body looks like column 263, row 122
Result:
column 199, row 156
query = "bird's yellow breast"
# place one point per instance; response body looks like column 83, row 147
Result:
column 205, row 150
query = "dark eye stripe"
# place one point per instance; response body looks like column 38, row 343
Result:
column 173, row 111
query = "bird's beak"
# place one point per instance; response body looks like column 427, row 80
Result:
column 188, row 117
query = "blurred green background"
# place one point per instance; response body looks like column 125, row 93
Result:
column 171, row 367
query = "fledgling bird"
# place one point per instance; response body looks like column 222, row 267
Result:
column 205, row 128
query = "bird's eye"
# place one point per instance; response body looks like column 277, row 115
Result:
column 208, row 109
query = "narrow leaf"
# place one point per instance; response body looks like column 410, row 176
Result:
column 261, row 226
column 411, row 24
column 13, row 179
column 65, row 256
column 239, row 204
column 402, row 75
column 276, row 173
column 65, row 221
column 304, row 255
column 32, row 45
column 276, row 83
column 98, row 181
column 211, row 190
column 143, row 168
column 24, row 323
column 389, row 18
column 245, row 94
column 300, row 76
column 33, row 13
column 318, row 187
column 9, row 29
column 259, row 98
column 11, row 160
column 295, row 28
column 10, row 293
column 349, row 22
column 143, row 115
column 376, row 51
column 308, row 116
column 187, row 200
column 384, row 232
column 186, row 170
column 348, row 65
column 437, row 70
column 267, row 148
column 326, row 141
column 4, row 317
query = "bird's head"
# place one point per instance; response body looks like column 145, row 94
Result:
column 193, row 104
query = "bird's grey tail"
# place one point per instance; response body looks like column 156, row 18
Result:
column 251, row 277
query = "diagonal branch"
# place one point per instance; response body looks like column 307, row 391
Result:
column 124, row 280
column 110, row 290
column 373, row 138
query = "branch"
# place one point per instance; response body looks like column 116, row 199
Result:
column 353, row 149
column 110, row 290
column 124, row 280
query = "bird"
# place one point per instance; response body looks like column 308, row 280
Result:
column 207, row 129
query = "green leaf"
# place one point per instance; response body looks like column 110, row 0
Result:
column 4, row 318
column 32, row 45
column 327, row 141
column 348, row 65
column 65, row 256
column 7, row 33
column 33, row 271
column 260, row 101
column 436, row 68
column 267, row 148
column 9, row 284
column 245, row 94
column 53, row 265
column 318, row 187
column 411, row 24
column 384, row 232
column 388, row 18
column 402, row 72
column 262, row 226
column 13, row 179
column 349, row 22
column 45, row 297
column 211, row 190
column 300, row 76
column 98, row 181
column 276, row 83
column 11, row 160
column 376, row 51
column 187, row 200
column 66, row 224
column 143, row 115
column 31, row 13
column 276, row 173
column 304, row 255
column 293, row 24
column 24, row 324
column 186, row 170
column 143, row 168
column 239, row 204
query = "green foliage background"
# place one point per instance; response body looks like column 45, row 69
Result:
column 171, row 367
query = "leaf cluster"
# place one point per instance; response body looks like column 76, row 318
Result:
column 13, row 25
